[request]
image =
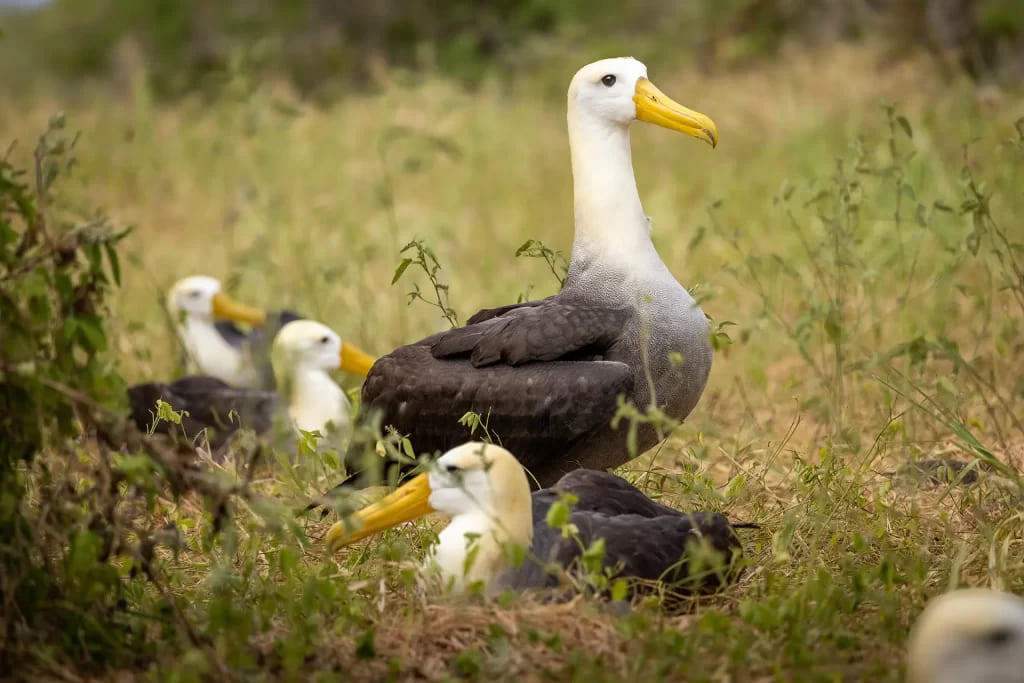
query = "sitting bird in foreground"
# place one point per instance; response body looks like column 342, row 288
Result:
column 547, row 375
column 303, row 353
column 484, row 490
column 968, row 636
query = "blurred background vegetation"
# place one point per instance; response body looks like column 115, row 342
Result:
column 325, row 48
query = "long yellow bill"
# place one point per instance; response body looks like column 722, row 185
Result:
column 656, row 107
column 225, row 307
column 355, row 360
column 407, row 502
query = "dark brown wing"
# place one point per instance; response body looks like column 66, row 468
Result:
column 636, row 546
column 604, row 492
column 488, row 313
column 546, row 331
column 210, row 403
column 537, row 411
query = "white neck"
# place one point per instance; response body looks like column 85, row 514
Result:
column 314, row 400
column 208, row 352
column 611, row 226
column 489, row 536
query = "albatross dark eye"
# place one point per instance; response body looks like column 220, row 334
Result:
column 608, row 80
column 325, row 339
column 451, row 469
column 999, row 636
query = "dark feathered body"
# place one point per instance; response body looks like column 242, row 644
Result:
column 211, row 404
column 643, row 539
column 546, row 377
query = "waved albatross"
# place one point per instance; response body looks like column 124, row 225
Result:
column 214, row 345
column 485, row 492
column 547, row 374
column 304, row 351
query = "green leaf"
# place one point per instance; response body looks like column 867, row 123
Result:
column 365, row 648
column 165, row 412
column 526, row 246
column 515, row 554
column 558, row 515
column 834, row 325
column 905, row 125
column 620, row 589
column 594, row 553
column 288, row 560
column 406, row 262
column 115, row 263
column 83, row 553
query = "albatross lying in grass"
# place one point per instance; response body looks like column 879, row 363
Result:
column 485, row 492
column 968, row 636
column 547, row 374
column 303, row 353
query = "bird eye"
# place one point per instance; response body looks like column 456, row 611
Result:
column 451, row 469
column 325, row 339
column 608, row 80
column 999, row 636
column 195, row 294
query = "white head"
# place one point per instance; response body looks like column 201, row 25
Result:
column 479, row 479
column 616, row 91
column 303, row 353
column 611, row 227
column 482, row 487
column 968, row 636
column 305, row 345
column 200, row 297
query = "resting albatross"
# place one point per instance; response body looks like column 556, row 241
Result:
column 968, row 636
column 547, row 374
column 196, row 303
column 204, row 316
column 484, row 489
column 304, row 351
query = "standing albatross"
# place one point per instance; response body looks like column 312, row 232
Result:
column 485, row 491
column 547, row 374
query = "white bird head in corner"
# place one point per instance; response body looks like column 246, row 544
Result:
column 968, row 636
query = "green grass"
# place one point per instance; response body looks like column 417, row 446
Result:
column 868, row 333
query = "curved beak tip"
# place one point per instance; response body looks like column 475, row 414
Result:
column 656, row 107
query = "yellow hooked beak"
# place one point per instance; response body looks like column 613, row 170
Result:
column 656, row 107
column 225, row 307
column 407, row 502
column 355, row 360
